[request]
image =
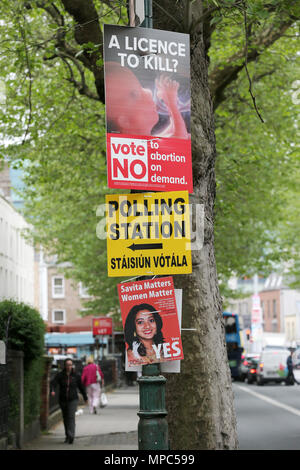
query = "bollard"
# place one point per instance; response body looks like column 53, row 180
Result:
column 153, row 426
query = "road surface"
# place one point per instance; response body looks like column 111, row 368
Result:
column 268, row 417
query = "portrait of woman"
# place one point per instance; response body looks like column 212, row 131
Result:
column 143, row 330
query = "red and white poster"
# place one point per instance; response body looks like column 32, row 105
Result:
column 148, row 109
column 150, row 321
column 102, row 326
column 256, row 313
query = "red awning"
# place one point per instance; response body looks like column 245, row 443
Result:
column 82, row 324
column 51, row 327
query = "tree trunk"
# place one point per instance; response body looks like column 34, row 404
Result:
column 200, row 399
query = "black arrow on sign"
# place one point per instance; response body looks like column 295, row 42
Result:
column 146, row 246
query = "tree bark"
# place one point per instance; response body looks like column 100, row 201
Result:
column 200, row 399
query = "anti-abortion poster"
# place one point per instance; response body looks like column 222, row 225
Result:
column 150, row 321
column 148, row 109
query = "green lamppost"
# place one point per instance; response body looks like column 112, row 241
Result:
column 148, row 22
column 153, row 426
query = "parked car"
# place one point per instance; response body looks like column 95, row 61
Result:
column 246, row 363
column 251, row 373
column 272, row 366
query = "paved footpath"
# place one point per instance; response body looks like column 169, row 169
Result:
column 113, row 428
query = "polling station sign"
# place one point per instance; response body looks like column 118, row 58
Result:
column 148, row 109
column 150, row 321
column 148, row 233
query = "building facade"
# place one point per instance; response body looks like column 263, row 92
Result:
column 28, row 276
column 280, row 309
column 290, row 305
column 60, row 299
column 272, row 312
column 5, row 182
column 16, row 256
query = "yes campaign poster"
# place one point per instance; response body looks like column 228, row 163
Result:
column 169, row 366
column 150, row 321
column 148, row 109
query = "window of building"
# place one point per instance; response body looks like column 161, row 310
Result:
column 274, row 309
column 59, row 316
column 58, row 287
column 83, row 290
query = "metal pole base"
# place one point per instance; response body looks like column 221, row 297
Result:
column 153, row 426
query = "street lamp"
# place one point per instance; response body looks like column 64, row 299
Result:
column 153, row 426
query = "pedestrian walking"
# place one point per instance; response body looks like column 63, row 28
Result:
column 92, row 378
column 68, row 381
column 290, row 379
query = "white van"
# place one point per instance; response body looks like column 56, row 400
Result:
column 60, row 357
column 272, row 366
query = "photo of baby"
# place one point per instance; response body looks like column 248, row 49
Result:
column 133, row 109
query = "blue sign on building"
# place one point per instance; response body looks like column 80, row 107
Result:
column 81, row 341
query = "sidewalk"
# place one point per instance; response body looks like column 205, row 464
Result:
column 113, row 428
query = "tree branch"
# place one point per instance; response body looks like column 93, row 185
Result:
column 205, row 18
column 64, row 111
column 88, row 30
column 53, row 12
column 257, row 78
column 221, row 77
column 168, row 14
column 247, row 33
column 29, row 75
column 82, row 87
